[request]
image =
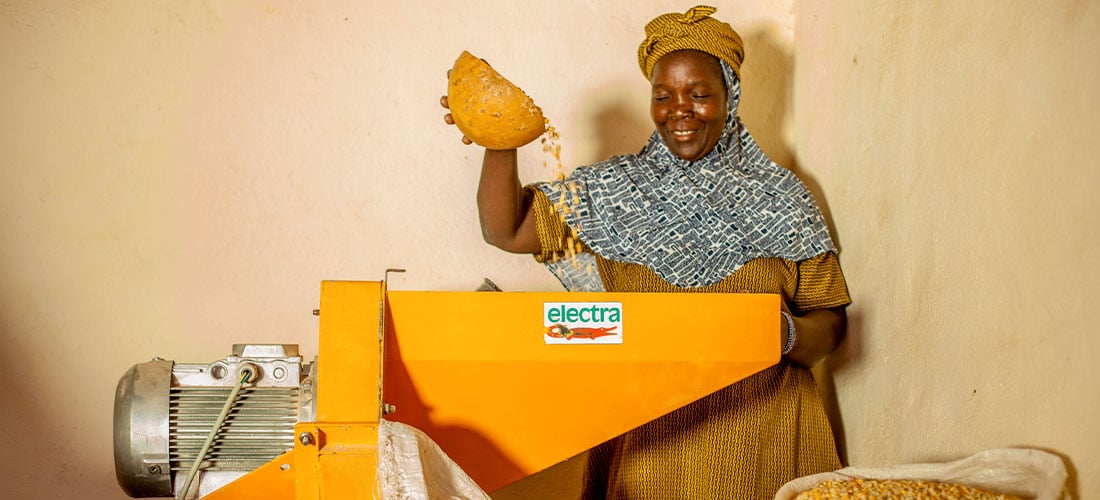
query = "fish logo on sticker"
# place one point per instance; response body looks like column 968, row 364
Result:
column 583, row 322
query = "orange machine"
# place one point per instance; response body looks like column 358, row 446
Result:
column 507, row 383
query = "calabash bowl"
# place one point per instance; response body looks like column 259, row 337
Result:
column 490, row 110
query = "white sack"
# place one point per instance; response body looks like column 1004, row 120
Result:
column 411, row 466
column 1022, row 472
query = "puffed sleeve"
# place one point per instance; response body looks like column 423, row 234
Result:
column 821, row 284
column 555, row 236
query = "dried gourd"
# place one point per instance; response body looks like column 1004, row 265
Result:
column 490, row 110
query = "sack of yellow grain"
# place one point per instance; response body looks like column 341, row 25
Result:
column 992, row 474
column 908, row 489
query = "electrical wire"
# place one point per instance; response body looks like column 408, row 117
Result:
column 247, row 373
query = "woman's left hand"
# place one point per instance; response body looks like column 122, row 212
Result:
column 818, row 332
column 447, row 118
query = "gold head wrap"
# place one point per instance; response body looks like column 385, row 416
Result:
column 695, row 30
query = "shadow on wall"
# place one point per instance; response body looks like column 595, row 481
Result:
column 19, row 408
column 767, row 77
column 766, row 94
column 620, row 132
column 849, row 350
column 41, row 434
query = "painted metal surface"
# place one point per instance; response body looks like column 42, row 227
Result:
column 334, row 458
column 480, row 374
column 474, row 370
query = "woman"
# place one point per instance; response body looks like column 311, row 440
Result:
column 699, row 209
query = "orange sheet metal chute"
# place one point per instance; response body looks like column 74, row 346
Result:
column 473, row 369
column 335, row 457
column 474, row 372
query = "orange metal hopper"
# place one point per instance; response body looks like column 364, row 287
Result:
column 473, row 370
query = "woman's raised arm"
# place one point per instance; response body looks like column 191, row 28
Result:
column 504, row 207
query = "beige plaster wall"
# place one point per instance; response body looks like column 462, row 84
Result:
column 180, row 176
column 956, row 146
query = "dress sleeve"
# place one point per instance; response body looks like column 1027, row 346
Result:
column 821, row 284
column 552, row 231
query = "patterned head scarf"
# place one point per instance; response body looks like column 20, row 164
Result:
column 694, row 29
column 692, row 222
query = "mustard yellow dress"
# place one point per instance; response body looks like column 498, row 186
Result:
column 742, row 442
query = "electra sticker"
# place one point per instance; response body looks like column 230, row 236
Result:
column 583, row 322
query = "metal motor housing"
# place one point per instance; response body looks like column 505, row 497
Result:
column 165, row 410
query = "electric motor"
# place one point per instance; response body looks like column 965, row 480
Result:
column 167, row 412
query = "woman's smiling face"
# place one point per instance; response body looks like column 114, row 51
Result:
column 689, row 102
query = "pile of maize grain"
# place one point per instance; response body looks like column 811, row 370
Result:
column 869, row 489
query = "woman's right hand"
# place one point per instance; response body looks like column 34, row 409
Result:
column 447, row 118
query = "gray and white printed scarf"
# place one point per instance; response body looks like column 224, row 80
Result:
column 692, row 222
